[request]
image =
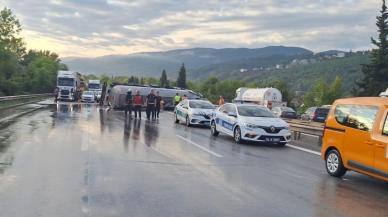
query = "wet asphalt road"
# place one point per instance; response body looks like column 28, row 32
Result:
column 75, row 160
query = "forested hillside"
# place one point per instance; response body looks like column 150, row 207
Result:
column 298, row 76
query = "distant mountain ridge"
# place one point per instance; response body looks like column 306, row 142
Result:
column 152, row 63
column 300, row 67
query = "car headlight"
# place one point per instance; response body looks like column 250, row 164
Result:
column 287, row 127
column 252, row 126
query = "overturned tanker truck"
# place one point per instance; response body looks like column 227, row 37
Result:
column 117, row 94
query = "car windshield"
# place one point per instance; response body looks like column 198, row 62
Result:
column 254, row 111
column 322, row 111
column 201, row 105
column 94, row 86
column 65, row 82
column 287, row 109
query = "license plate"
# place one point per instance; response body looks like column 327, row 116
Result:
column 272, row 139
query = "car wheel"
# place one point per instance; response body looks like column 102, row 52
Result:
column 188, row 121
column 237, row 135
column 213, row 129
column 334, row 165
column 176, row 119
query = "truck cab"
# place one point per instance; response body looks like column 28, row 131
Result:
column 68, row 83
column 96, row 87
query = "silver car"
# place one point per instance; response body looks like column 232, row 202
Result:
column 194, row 112
column 88, row 96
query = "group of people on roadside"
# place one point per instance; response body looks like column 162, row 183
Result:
column 153, row 102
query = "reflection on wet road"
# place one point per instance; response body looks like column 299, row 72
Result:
column 78, row 160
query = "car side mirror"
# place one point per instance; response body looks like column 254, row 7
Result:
column 232, row 114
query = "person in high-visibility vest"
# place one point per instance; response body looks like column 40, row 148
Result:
column 177, row 99
column 221, row 101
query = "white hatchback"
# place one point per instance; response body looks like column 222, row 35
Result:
column 250, row 122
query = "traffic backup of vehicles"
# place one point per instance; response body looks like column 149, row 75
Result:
column 96, row 87
column 68, row 83
column 194, row 112
column 250, row 122
column 284, row 112
column 317, row 114
column 356, row 137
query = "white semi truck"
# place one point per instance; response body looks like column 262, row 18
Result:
column 269, row 97
column 96, row 87
column 69, row 85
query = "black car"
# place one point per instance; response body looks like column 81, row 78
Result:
column 284, row 112
column 317, row 114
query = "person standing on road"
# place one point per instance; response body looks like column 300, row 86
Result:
column 177, row 99
column 221, row 101
column 158, row 101
column 56, row 93
column 138, row 102
column 128, row 103
column 150, row 102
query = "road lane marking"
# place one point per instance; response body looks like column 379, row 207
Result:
column 310, row 135
column 199, row 146
column 304, row 149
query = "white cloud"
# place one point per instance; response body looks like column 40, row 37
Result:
column 100, row 27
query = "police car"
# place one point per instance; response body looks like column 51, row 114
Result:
column 250, row 122
column 194, row 112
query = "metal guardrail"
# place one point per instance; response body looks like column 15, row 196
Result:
column 309, row 128
column 9, row 98
column 13, row 101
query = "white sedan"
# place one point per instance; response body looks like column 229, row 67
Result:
column 194, row 112
column 88, row 96
column 250, row 122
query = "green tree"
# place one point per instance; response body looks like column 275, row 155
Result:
column 42, row 72
column 10, row 29
column 8, row 68
column 163, row 79
column 375, row 73
column 133, row 80
column 324, row 93
column 336, row 90
column 181, row 81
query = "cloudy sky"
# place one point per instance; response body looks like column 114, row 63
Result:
column 104, row 27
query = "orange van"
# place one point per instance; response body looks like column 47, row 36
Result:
column 355, row 137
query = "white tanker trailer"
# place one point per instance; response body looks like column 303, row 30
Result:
column 269, row 97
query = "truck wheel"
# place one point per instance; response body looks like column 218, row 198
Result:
column 213, row 129
column 334, row 165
